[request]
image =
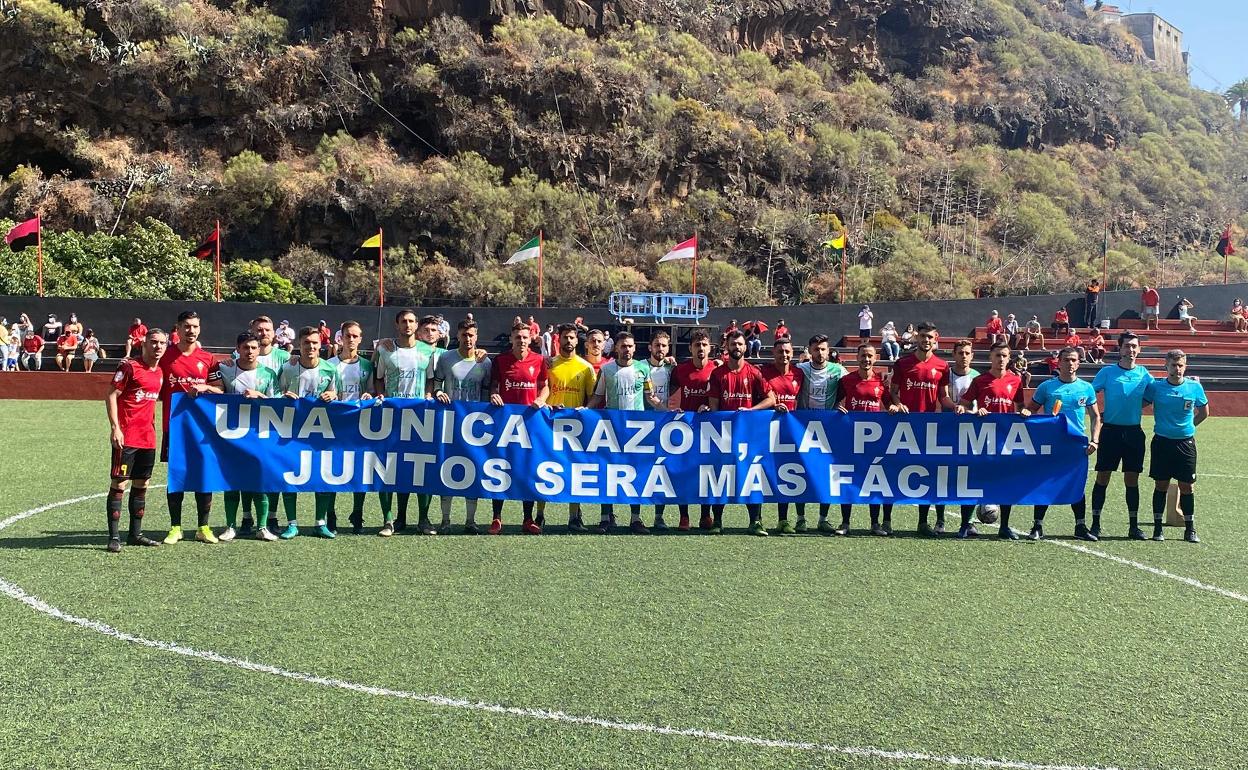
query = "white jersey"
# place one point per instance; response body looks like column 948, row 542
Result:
column 357, row 377
column 960, row 383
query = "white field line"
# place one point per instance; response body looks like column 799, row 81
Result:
column 18, row 594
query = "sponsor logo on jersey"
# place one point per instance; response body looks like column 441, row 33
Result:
column 511, row 384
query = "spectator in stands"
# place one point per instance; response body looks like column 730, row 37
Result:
column 1096, row 345
column 52, row 329
column 548, row 341
column 888, row 341
column 1051, row 362
column 91, row 350
column 66, row 347
column 907, row 339
column 284, row 336
column 535, row 329
column 24, row 326
column 327, row 340
column 32, row 353
column 5, row 344
column 865, row 318
column 1239, row 315
column 608, row 344
column 1150, row 307
column 1074, row 341
column 731, row 327
column 579, row 323
column 1033, row 334
column 753, row 342
column 1018, row 365
column 1061, row 322
column 444, row 332
column 996, row 329
column 1091, row 303
column 74, row 326
column 135, row 336
column 15, row 347
column 1011, row 331
column 1185, row 313
column 782, row 331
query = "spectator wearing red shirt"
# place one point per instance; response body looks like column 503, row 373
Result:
column 1073, row 340
column 1096, row 346
column 996, row 329
column 997, row 391
column 865, row 391
column 782, row 331
column 66, row 346
column 519, row 377
column 1061, row 321
column 738, row 385
column 134, row 337
column 785, row 382
column 131, row 408
column 1150, row 307
column 692, row 382
column 32, row 352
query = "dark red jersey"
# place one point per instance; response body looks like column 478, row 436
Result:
column 920, row 383
column 692, row 384
column 999, row 395
column 519, row 380
column 861, row 395
column 140, row 387
column 183, row 371
column 785, row 385
column 741, row 389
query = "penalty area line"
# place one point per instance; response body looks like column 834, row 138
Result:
column 19, row 594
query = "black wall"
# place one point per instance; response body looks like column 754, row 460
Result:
column 222, row 321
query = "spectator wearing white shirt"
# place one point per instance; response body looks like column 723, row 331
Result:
column 865, row 319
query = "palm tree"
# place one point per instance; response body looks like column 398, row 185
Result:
column 1237, row 96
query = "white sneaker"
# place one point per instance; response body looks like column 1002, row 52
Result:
column 264, row 533
column 227, row 535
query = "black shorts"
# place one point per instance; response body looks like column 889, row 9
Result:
column 130, row 464
column 1173, row 458
column 1120, row 444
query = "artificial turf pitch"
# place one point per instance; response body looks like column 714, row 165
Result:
column 984, row 649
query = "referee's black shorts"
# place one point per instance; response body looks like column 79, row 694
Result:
column 1120, row 444
column 1173, row 458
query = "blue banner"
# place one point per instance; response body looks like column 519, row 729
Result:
column 475, row 450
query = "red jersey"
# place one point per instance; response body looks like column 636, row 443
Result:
column 1061, row 316
column 782, row 332
column 32, row 343
column 138, row 332
column 519, row 380
column 995, row 326
column 182, row 373
column 741, row 389
column 1073, row 341
column 694, row 384
column 1151, row 298
column 599, row 364
column 999, row 395
column 140, row 386
column 1097, row 341
column 785, row 385
column 67, row 342
column 920, row 383
column 861, row 395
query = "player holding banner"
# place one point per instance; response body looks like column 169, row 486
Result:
column 245, row 376
column 692, row 381
column 356, row 375
column 309, row 376
column 996, row 391
column 571, row 380
column 462, row 375
column 660, row 370
column 519, row 378
column 131, row 409
column 820, row 377
column 785, row 382
column 865, row 391
column 624, row 385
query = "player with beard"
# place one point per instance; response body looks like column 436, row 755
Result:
column 462, row 375
column 571, row 380
column 735, row 386
column 660, row 367
column 623, row 385
column 820, row 377
column 404, row 369
column 273, row 358
column 244, row 376
column 356, row 373
column 519, row 378
column 785, row 382
column 309, row 376
column 920, row 383
column 1122, row 389
column 1070, row 396
column 191, row 370
column 865, row 391
column 131, row 409
column 691, row 381
column 997, row 391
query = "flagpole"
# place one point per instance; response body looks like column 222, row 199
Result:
column 1105, row 260
column 381, row 270
column 844, row 255
column 39, row 251
column 1226, row 258
column 217, row 260
column 695, row 261
column 540, row 249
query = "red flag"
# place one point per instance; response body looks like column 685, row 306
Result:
column 207, row 249
column 23, row 234
column 1225, row 247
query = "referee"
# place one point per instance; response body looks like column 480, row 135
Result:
column 1121, row 388
column 1179, row 405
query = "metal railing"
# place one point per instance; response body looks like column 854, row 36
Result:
column 662, row 308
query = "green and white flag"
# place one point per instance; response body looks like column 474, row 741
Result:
column 530, row 250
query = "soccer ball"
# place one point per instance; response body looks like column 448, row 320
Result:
column 988, row 514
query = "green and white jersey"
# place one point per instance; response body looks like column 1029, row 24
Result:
column 275, row 359
column 624, row 387
column 236, row 380
column 660, row 376
column 405, row 370
column 463, row 379
column 356, row 376
column 960, row 383
column 819, row 386
column 309, row 382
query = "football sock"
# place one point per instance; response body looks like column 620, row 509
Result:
column 607, row 511
column 445, row 502
column 113, row 507
column 260, row 501
column 658, row 511
column 324, row 504
column 497, row 505
column 387, row 506
column 357, row 504
column 847, row 510
column 272, row 497
column 888, row 515
column 1098, row 501
column 823, row 511
column 940, row 515
column 923, row 509
column 290, row 505
column 755, row 510
column 404, row 499
column 718, row 512
column 1005, row 515
column 175, row 507
column 138, row 504
column 470, row 506
column 423, row 502
column 874, row 509
column 1081, row 511
column 1159, row 506
column 1185, row 502
column 203, row 507
column 967, row 512
column 1133, row 502
column 782, row 511
column 232, row 499
column 1040, row 511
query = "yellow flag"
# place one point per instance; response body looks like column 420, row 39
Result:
column 372, row 243
column 837, row 243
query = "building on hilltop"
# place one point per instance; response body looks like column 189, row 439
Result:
column 1162, row 41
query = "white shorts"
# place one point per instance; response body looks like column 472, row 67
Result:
column 1152, row 310
column 91, row 355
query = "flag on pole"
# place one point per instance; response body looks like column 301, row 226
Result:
column 207, row 249
column 1225, row 247
column 835, row 243
column 685, row 250
column 369, row 249
column 530, row 250
column 23, row 234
